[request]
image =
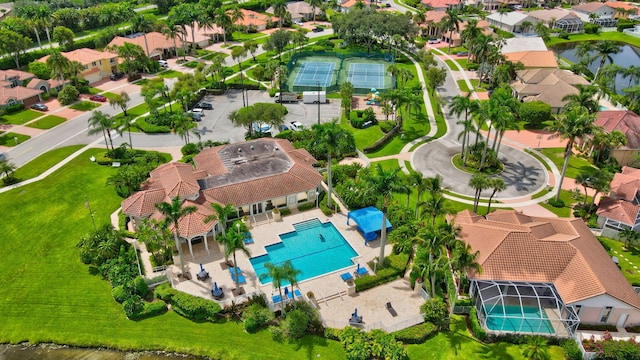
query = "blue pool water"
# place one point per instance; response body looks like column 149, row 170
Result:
column 534, row 321
column 308, row 252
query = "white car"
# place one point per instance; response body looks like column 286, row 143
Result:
column 198, row 110
column 298, row 22
column 296, row 126
column 163, row 64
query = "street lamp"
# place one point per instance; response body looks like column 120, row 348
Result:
column 238, row 227
column 317, row 195
column 135, row 249
column 375, row 265
column 318, row 102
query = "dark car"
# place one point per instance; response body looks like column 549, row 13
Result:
column 116, row 76
column 318, row 29
column 98, row 98
column 387, row 5
column 205, row 105
column 40, row 107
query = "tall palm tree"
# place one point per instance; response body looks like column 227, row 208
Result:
column 58, row 64
column 418, row 182
column 237, row 54
column 436, row 205
column 463, row 260
column 126, row 125
column 431, row 261
column 584, row 98
column 235, row 242
column 173, row 31
column 464, row 104
column 314, row 5
column 536, row 348
column 236, row 14
column 44, row 16
column 277, row 275
column 100, row 122
column 221, row 213
column 173, row 212
column 183, row 125
column 279, row 10
column 383, row 184
column 478, row 182
column 470, row 32
column 291, row 275
column 498, row 185
column 333, row 140
column 75, row 70
column 604, row 50
column 142, row 23
column 451, row 22
column 223, row 20
column 574, row 124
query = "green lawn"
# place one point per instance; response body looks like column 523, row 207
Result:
column 609, row 35
column 458, row 344
column 576, row 164
column 110, row 95
column 43, row 162
column 242, row 37
column 569, row 201
column 48, row 295
column 9, row 139
column 20, row 117
column 85, row 106
column 94, row 91
column 47, row 122
column 627, row 258
column 169, row 74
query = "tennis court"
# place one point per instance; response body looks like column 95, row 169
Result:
column 313, row 73
column 366, row 75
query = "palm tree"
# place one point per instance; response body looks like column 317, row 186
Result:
column 463, row 260
column 101, row 122
column 536, row 348
column 479, row 182
column 277, row 275
column 173, row 212
column 451, row 22
column 333, row 140
column 236, row 14
column 584, row 98
column 420, row 183
column 237, row 54
column 142, row 23
column 629, row 236
column 173, row 31
column 58, row 64
column 314, row 5
column 279, row 10
column 234, row 241
column 6, row 169
column 383, row 184
column 574, row 124
column 436, row 205
column 291, row 275
column 44, row 16
column 126, row 125
column 464, row 104
column 498, row 185
column 221, row 213
column 604, row 50
column 183, row 125
column 223, row 20
column 470, row 32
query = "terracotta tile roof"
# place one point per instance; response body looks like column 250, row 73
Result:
column 546, row 85
column 553, row 14
column 84, row 56
column 440, row 4
column 193, row 224
column 626, row 185
column 625, row 121
column 178, row 180
column 619, row 210
column 533, row 59
column 589, row 7
column 17, row 93
column 516, row 247
column 621, row 5
column 11, row 73
column 434, row 16
column 155, row 40
column 143, row 203
column 352, row 3
column 255, row 18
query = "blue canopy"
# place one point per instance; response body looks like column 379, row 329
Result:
column 369, row 221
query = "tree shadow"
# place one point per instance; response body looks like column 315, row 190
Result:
column 309, row 343
column 520, row 176
column 495, row 351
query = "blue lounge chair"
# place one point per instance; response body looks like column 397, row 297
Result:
column 361, row 270
column 276, row 298
column 297, row 293
column 247, row 240
column 346, row 276
column 233, row 270
column 241, row 278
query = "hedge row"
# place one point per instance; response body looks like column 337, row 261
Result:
column 150, row 310
column 597, row 327
column 145, row 127
column 476, row 328
column 395, row 266
column 189, row 306
column 416, row 334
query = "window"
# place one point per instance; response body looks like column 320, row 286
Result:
column 578, row 309
column 93, row 63
column 86, row 67
column 606, row 314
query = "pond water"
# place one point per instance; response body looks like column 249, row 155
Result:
column 628, row 55
column 55, row 352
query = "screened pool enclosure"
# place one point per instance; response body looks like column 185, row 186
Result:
column 522, row 308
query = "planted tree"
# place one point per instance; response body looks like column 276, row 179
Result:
column 174, row 212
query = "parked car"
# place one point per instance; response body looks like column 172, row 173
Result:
column 3, row 156
column 99, row 98
column 434, row 41
column 298, row 22
column 205, row 105
column 163, row 64
column 196, row 116
column 116, row 76
column 40, row 107
column 318, row 29
column 387, row 5
column 296, row 126
column 198, row 110
column 462, row 53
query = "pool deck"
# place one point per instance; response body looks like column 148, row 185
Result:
column 329, row 290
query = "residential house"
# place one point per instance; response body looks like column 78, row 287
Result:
column 252, row 19
column 597, row 13
column 346, row 6
column 159, row 46
column 13, row 91
column 562, row 19
column 546, row 85
column 255, row 177
column 203, row 36
column 511, row 22
column 626, row 185
column 442, row 5
column 456, row 39
column 530, row 51
column 627, row 122
column 431, row 27
column 622, row 9
column 98, row 65
column 543, row 275
column 615, row 215
column 299, row 10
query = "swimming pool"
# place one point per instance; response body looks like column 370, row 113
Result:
column 512, row 320
column 311, row 254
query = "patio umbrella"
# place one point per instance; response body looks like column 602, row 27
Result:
column 201, row 267
column 286, row 291
column 358, row 268
column 216, row 289
column 355, row 313
column 373, row 90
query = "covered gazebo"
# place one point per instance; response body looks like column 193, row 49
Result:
column 369, row 222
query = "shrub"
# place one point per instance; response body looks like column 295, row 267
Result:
column 194, row 307
column 591, row 28
column 150, row 310
column 307, row 206
column 332, row 334
column 141, row 286
column 40, row 70
column 571, row 350
column 618, row 350
column 133, row 306
column 256, row 317
column 394, row 268
column 435, row 311
column 165, row 292
column 476, row 329
column 145, row 127
column 13, row 108
column 68, row 95
column 597, row 327
column 189, row 149
column 416, row 334
column 356, row 118
column 559, row 203
column 535, row 113
column 296, row 323
column 120, row 294
column 387, row 126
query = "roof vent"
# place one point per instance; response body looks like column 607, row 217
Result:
column 276, row 148
column 239, row 150
column 252, row 147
